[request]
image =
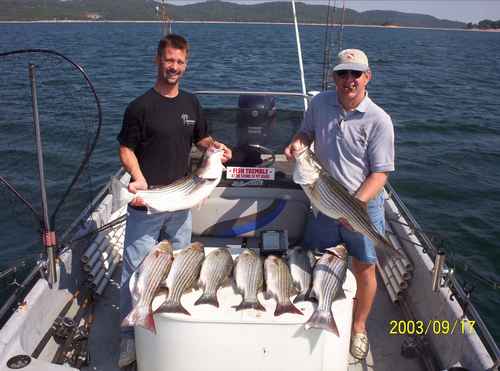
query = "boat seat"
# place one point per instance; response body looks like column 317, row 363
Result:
column 246, row 212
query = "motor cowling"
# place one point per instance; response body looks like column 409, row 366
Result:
column 255, row 120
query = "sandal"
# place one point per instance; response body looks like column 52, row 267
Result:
column 359, row 345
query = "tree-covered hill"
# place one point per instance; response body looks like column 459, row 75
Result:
column 214, row 11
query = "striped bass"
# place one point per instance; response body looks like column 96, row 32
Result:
column 301, row 262
column 328, row 276
column 184, row 193
column 279, row 285
column 182, row 277
column 332, row 199
column 249, row 279
column 147, row 278
column 214, row 273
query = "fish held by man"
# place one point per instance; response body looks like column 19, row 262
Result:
column 184, row 193
column 279, row 285
column 182, row 277
column 152, row 271
column 332, row 198
column 301, row 262
column 328, row 276
column 249, row 279
column 215, row 271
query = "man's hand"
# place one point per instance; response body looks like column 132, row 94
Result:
column 206, row 142
column 227, row 155
column 134, row 187
column 299, row 142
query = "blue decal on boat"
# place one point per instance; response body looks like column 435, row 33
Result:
column 248, row 223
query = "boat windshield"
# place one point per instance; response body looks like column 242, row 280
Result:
column 252, row 124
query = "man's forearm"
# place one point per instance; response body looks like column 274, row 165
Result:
column 130, row 163
column 372, row 186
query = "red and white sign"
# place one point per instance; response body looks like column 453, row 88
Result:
column 238, row 172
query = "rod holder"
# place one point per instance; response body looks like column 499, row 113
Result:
column 437, row 272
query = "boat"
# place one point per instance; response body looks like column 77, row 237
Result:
column 422, row 318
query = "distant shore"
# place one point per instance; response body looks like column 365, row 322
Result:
column 391, row 27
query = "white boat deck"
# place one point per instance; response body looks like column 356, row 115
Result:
column 385, row 349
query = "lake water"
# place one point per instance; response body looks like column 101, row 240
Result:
column 440, row 87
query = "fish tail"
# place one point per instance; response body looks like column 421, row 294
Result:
column 207, row 298
column 172, row 307
column 121, row 190
column 250, row 305
column 304, row 296
column 323, row 320
column 288, row 307
column 140, row 316
column 149, row 323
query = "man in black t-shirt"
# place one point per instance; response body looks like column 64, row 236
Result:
column 158, row 131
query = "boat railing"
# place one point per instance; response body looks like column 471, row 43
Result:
column 246, row 92
column 458, row 291
column 68, row 237
column 13, row 300
column 69, row 232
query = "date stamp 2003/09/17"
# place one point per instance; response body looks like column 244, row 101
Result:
column 432, row 326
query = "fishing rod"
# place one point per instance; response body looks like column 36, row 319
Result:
column 47, row 221
column 328, row 45
column 327, row 52
column 299, row 51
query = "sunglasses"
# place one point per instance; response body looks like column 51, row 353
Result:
column 344, row 73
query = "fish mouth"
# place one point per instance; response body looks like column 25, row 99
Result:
column 213, row 150
column 339, row 251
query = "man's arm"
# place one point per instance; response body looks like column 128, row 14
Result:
column 372, row 186
column 206, row 142
column 131, row 165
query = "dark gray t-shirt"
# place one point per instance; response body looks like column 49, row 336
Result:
column 161, row 132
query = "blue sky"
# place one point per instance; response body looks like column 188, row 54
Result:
column 455, row 10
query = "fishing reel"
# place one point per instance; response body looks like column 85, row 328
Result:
column 63, row 327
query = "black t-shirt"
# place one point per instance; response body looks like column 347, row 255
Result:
column 161, row 131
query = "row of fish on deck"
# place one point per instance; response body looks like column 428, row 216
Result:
column 299, row 273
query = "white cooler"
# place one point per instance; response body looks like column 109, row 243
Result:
column 221, row 339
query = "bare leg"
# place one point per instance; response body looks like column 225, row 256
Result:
column 366, row 281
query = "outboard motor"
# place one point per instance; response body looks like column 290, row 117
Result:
column 255, row 119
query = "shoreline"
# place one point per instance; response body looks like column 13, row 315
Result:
column 252, row 23
column 234, row 22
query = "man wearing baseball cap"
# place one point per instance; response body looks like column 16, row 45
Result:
column 354, row 141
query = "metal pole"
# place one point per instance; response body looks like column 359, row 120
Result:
column 299, row 50
column 48, row 236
